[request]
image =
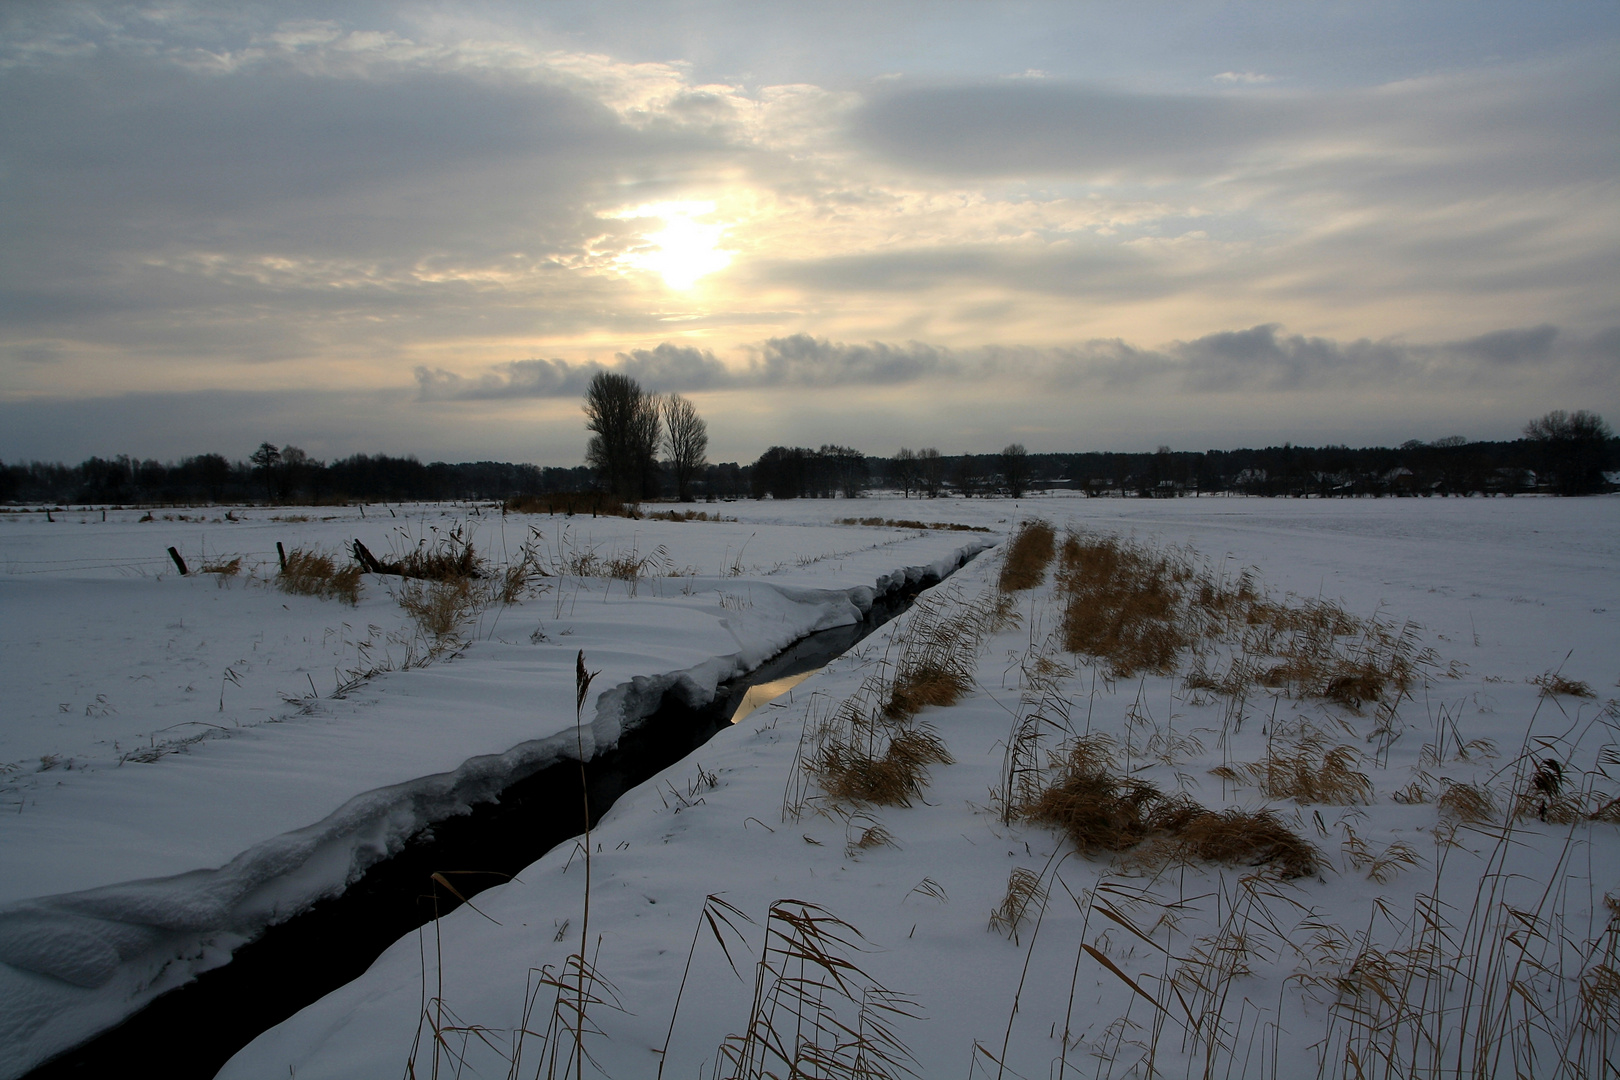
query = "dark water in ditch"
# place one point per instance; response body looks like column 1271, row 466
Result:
column 196, row 1028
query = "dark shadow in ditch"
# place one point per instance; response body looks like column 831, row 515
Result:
column 200, row 1025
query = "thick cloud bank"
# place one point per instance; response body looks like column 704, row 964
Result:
column 1259, row 359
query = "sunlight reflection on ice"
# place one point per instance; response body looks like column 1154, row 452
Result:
column 767, row 692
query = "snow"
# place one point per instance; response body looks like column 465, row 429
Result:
column 187, row 760
column 1503, row 589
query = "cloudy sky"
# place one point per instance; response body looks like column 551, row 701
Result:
column 421, row 228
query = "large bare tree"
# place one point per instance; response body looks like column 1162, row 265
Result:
column 624, row 448
column 1015, row 469
column 930, row 471
column 686, row 440
column 904, row 469
column 1571, row 449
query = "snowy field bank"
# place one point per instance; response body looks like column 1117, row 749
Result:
column 186, row 760
column 1430, row 932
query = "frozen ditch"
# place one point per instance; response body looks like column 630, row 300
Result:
column 300, row 959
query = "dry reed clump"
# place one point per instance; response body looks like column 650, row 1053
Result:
column 448, row 558
column 1124, row 604
column 1307, row 771
column 871, row 749
column 1554, row 793
column 1504, row 987
column 439, row 607
column 1029, row 553
column 907, row 523
column 1467, row 803
column 628, row 565
column 519, row 577
column 314, row 573
column 686, row 515
column 1378, row 665
column 1101, row 811
column 1141, row 610
column 927, row 684
column 857, row 770
column 1024, row 891
column 1555, row 685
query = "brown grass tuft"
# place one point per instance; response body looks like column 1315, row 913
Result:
column 1029, row 552
column 923, row 686
column 1141, row 610
column 866, row 838
column 1101, row 811
column 450, row 558
column 1555, row 685
column 1124, row 604
column 518, row 578
column 869, row 748
column 225, row 568
column 313, row 573
column 1248, row 838
column 686, row 515
column 1467, row 802
column 851, row 772
column 1307, row 772
column 439, row 607
column 1023, row 892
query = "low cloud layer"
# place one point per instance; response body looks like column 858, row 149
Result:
column 1260, row 360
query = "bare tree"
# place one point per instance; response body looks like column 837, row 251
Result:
column 1015, row 469
column 265, row 459
column 845, row 468
column 1573, row 448
column 905, row 469
column 686, row 440
column 966, row 476
column 930, row 470
column 624, row 448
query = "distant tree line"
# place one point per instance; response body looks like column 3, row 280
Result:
column 1561, row 453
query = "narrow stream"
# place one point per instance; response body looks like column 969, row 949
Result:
column 196, row 1028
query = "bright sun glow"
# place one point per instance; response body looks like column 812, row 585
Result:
column 684, row 250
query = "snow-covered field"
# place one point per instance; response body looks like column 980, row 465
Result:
column 184, row 760
column 1195, row 967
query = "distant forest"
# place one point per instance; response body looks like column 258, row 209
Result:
column 1447, row 467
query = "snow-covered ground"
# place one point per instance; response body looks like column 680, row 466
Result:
column 302, row 790
column 1285, row 975
column 184, row 760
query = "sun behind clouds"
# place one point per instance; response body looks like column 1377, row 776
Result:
column 684, row 250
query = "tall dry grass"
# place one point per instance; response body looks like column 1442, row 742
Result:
column 439, row 607
column 1143, row 610
column 315, row 573
column 1306, row 770
column 1029, row 553
column 872, row 748
column 815, row 1013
